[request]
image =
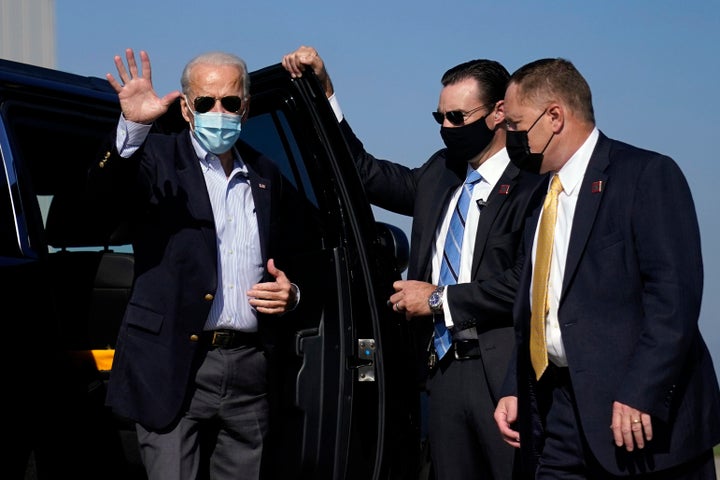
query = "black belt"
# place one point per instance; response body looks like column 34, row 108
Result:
column 466, row 349
column 226, row 338
column 460, row 350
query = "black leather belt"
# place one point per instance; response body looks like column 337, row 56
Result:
column 460, row 350
column 226, row 338
column 466, row 349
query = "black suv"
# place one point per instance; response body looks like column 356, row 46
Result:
column 350, row 404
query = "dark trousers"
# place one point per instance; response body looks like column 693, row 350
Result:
column 222, row 433
column 464, row 438
column 566, row 456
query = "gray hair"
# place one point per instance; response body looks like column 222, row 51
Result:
column 216, row 58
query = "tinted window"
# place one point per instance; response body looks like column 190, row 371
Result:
column 270, row 133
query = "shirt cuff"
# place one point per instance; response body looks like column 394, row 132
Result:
column 336, row 107
column 446, row 309
column 295, row 289
column 130, row 136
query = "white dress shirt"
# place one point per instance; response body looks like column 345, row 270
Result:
column 491, row 170
column 571, row 176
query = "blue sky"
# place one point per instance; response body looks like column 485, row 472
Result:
column 653, row 67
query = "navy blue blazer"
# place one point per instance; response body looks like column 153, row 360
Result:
column 424, row 192
column 628, row 313
column 162, row 190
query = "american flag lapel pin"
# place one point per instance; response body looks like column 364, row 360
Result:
column 504, row 189
column 597, row 186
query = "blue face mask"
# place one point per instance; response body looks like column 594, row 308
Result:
column 217, row 132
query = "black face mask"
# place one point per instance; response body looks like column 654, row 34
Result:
column 518, row 149
column 466, row 142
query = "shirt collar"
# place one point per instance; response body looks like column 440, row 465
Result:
column 493, row 167
column 210, row 161
column 572, row 172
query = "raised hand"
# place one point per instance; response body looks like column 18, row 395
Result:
column 138, row 100
column 303, row 57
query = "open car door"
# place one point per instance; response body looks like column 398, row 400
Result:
column 349, row 404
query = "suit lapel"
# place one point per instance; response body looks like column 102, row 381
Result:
column 261, row 192
column 441, row 193
column 198, row 202
column 500, row 193
column 589, row 198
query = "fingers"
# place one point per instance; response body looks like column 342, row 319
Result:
column 271, row 307
column 505, row 415
column 113, row 83
column 272, row 297
column 509, row 436
column 168, row 99
column 646, row 422
column 631, row 428
column 276, row 272
column 120, row 66
column 131, row 71
column 269, row 297
column 398, row 303
column 304, row 56
column 146, row 69
column 123, row 74
column 411, row 297
column 130, row 57
column 272, row 269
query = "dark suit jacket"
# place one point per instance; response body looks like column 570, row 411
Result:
column 162, row 190
column 424, row 193
column 628, row 313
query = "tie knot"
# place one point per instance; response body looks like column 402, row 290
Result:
column 555, row 185
column 473, row 177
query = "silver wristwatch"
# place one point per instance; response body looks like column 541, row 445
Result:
column 435, row 300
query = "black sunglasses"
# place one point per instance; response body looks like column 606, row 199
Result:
column 456, row 117
column 231, row 103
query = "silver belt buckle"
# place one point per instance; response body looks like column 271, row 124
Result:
column 432, row 359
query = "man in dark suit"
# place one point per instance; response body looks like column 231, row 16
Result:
column 612, row 377
column 190, row 365
column 476, row 307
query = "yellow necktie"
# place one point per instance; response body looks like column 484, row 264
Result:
column 541, row 272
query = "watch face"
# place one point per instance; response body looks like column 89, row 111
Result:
column 434, row 300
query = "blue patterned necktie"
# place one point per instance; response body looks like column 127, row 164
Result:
column 450, row 267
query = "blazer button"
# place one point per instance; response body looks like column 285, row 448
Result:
column 194, row 337
column 209, row 297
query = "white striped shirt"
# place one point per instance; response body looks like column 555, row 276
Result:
column 239, row 261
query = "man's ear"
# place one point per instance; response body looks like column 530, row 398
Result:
column 246, row 109
column 498, row 115
column 185, row 110
column 557, row 116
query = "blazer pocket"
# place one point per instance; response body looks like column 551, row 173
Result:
column 607, row 241
column 144, row 319
column 502, row 249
